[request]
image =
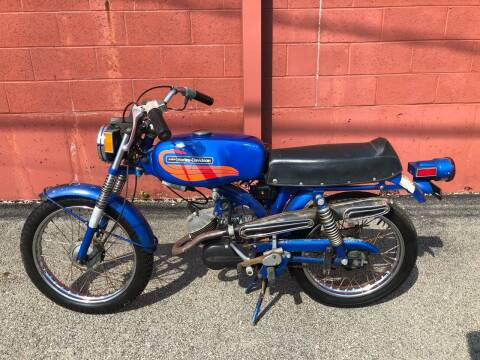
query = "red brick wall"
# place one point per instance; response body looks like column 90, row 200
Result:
column 354, row 70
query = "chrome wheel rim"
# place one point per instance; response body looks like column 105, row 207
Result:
column 54, row 244
column 376, row 274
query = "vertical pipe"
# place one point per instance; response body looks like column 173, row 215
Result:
column 252, row 67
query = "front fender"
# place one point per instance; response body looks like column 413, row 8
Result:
column 131, row 214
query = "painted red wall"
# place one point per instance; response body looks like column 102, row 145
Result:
column 351, row 71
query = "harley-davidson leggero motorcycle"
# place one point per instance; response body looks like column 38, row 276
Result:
column 89, row 249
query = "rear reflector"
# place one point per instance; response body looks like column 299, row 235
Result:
column 426, row 172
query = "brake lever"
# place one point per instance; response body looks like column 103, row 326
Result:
column 137, row 112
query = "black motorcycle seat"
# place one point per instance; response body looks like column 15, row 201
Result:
column 333, row 164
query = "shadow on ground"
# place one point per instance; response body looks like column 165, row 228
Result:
column 172, row 274
column 473, row 342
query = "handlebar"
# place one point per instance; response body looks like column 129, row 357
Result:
column 203, row 98
column 154, row 111
column 158, row 124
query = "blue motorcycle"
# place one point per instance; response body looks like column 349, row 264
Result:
column 89, row 249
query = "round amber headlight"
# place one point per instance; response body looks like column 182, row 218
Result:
column 107, row 143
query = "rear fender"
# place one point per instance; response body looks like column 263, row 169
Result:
column 131, row 214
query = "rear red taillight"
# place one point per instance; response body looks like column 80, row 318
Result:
column 426, row 172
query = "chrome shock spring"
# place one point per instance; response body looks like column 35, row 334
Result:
column 326, row 219
column 118, row 187
column 106, row 191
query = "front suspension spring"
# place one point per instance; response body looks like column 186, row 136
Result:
column 329, row 225
column 118, row 187
column 106, row 191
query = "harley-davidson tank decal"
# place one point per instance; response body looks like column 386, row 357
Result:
column 192, row 168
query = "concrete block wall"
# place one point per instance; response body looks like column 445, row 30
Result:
column 66, row 66
column 357, row 69
column 340, row 70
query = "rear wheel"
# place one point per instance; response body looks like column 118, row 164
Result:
column 370, row 277
column 116, row 271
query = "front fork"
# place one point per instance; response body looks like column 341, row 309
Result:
column 113, row 183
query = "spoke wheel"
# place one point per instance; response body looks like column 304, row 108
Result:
column 115, row 272
column 376, row 271
column 368, row 277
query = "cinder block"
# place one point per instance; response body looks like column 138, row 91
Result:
column 294, row 26
column 111, row 4
column 351, row 25
column 346, row 90
column 216, row 27
column 443, row 56
column 179, row 5
column 463, row 23
column 3, row 100
column 130, row 62
column 333, row 59
column 28, row 29
column 38, row 97
column 336, row 3
column 162, row 27
column 459, row 88
column 55, row 5
column 228, row 93
column 233, row 60
column 15, row 64
column 414, row 23
column 380, row 58
column 406, row 89
column 10, row 5
column 91, row 28
column 192, row 61
column 279, row 60
column 302, row 59
column 293, row 91
column 64, row 63
column 94, row 95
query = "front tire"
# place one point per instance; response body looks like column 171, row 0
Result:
column 118, row 273
column 321, row 288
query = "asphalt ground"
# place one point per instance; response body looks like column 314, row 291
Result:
column 190, row 312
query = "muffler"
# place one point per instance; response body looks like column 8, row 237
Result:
column 278, row 224
column 361, row 209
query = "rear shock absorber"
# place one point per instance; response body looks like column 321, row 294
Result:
column 325, row 216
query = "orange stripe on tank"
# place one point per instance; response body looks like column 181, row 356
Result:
column 194, row 172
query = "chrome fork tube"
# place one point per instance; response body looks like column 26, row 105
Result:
column 108, row 185
column 102, row 200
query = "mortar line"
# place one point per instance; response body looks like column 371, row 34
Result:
column 318, row 51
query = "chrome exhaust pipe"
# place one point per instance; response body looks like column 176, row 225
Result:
column 289, row 221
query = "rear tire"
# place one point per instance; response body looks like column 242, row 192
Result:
column 139, row 277
column 405, row 227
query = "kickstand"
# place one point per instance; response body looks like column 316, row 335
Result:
column 258, row 306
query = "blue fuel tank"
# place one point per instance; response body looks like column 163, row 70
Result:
column 207, row 159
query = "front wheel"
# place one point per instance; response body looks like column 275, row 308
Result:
column 371, row 277
column 116, row 272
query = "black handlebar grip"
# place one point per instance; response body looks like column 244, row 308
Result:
column 207, row 100
column 160, row 127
